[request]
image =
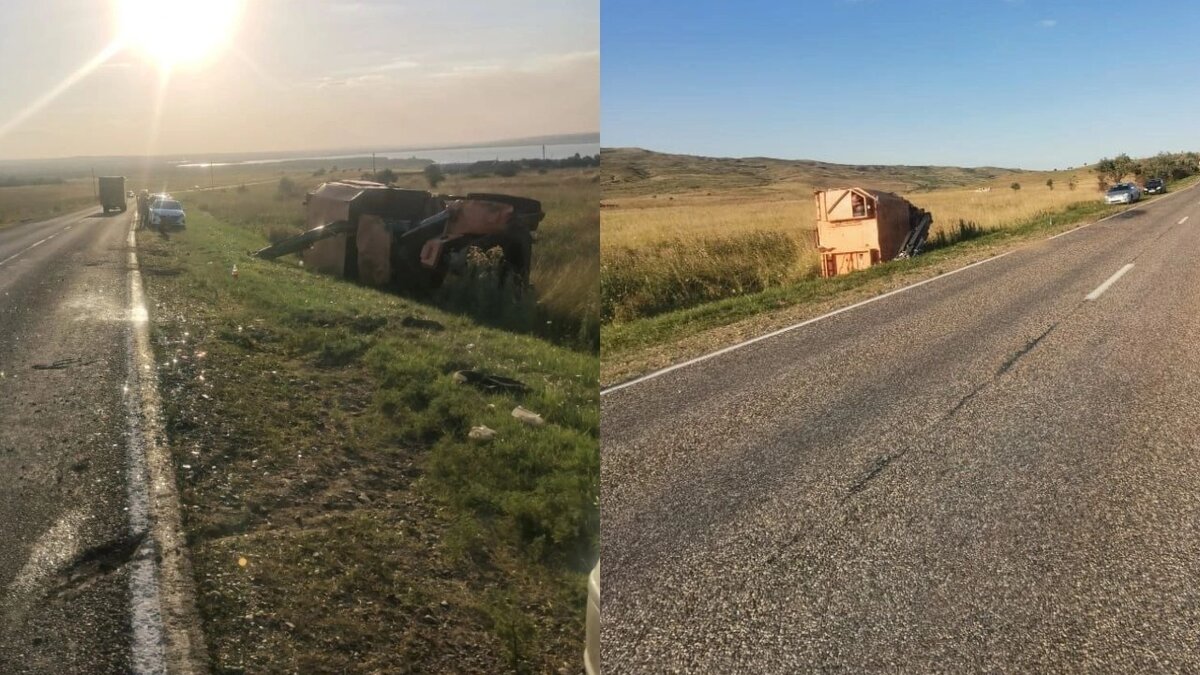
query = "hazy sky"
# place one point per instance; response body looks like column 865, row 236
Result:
column 1029, row 83
column 304, row 74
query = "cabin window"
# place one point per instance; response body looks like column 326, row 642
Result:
column 850, row 208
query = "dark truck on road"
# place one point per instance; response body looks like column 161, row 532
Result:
column 112, row 193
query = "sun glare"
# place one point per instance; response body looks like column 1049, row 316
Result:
column 178, row 32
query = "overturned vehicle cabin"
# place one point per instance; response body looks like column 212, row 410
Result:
column 858, row 228
column 410, row 239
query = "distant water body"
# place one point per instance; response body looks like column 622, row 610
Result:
column 442, row 155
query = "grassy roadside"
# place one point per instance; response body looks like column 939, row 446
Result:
column 640, row 345
column 340, row 519
column 678, row 232
column 566, row 269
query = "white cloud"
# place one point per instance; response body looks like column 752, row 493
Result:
column 1048, row 23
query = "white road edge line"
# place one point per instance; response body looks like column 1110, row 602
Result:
column 1063, row 234
column 781, row 331
column 1111, row 280
column 148, row 649
column 166, row 635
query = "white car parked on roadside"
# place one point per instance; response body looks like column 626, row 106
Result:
column 167, row 213
column 1123, row 193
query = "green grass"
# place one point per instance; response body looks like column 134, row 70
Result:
column 326, row 443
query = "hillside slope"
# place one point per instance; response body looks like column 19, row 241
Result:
column 634, row 172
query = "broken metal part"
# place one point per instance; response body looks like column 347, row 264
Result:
column 303, row 241
column 489, row 382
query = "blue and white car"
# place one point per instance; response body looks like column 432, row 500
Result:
column 167, row 213
column 1123, row 193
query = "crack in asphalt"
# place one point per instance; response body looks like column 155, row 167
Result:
column 881, row 462
column 1012, row 360
column 872, row 471
column 62, row 364
column 876, row 467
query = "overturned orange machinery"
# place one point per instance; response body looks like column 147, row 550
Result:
column 859, row 227
column 409, row 239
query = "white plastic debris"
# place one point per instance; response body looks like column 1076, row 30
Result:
column 528, row 417
column 482, row 434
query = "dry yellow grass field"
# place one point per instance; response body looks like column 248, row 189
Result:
column 638, row 221
column 32, row 202
column 1002, row 207
column 666, row 251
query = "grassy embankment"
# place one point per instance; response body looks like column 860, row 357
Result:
column 323, row 441
column 674, row 265
column 566, row 270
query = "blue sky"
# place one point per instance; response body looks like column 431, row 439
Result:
column 1022, row 83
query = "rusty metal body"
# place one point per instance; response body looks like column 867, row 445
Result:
column 386, row 236
column 859, row 227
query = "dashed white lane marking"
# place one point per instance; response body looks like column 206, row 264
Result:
column 1182, row 220
column 28, row 248
column 1111, row 280
column 793, row 327
column 33, row 246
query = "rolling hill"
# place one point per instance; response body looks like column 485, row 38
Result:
column 635, row 172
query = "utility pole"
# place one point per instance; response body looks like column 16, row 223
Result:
column 374, row 173
column 211, row 184
column 95, row 190
column 543, row 152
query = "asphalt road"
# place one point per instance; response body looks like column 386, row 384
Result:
column 989, row 472
column 64, row 349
